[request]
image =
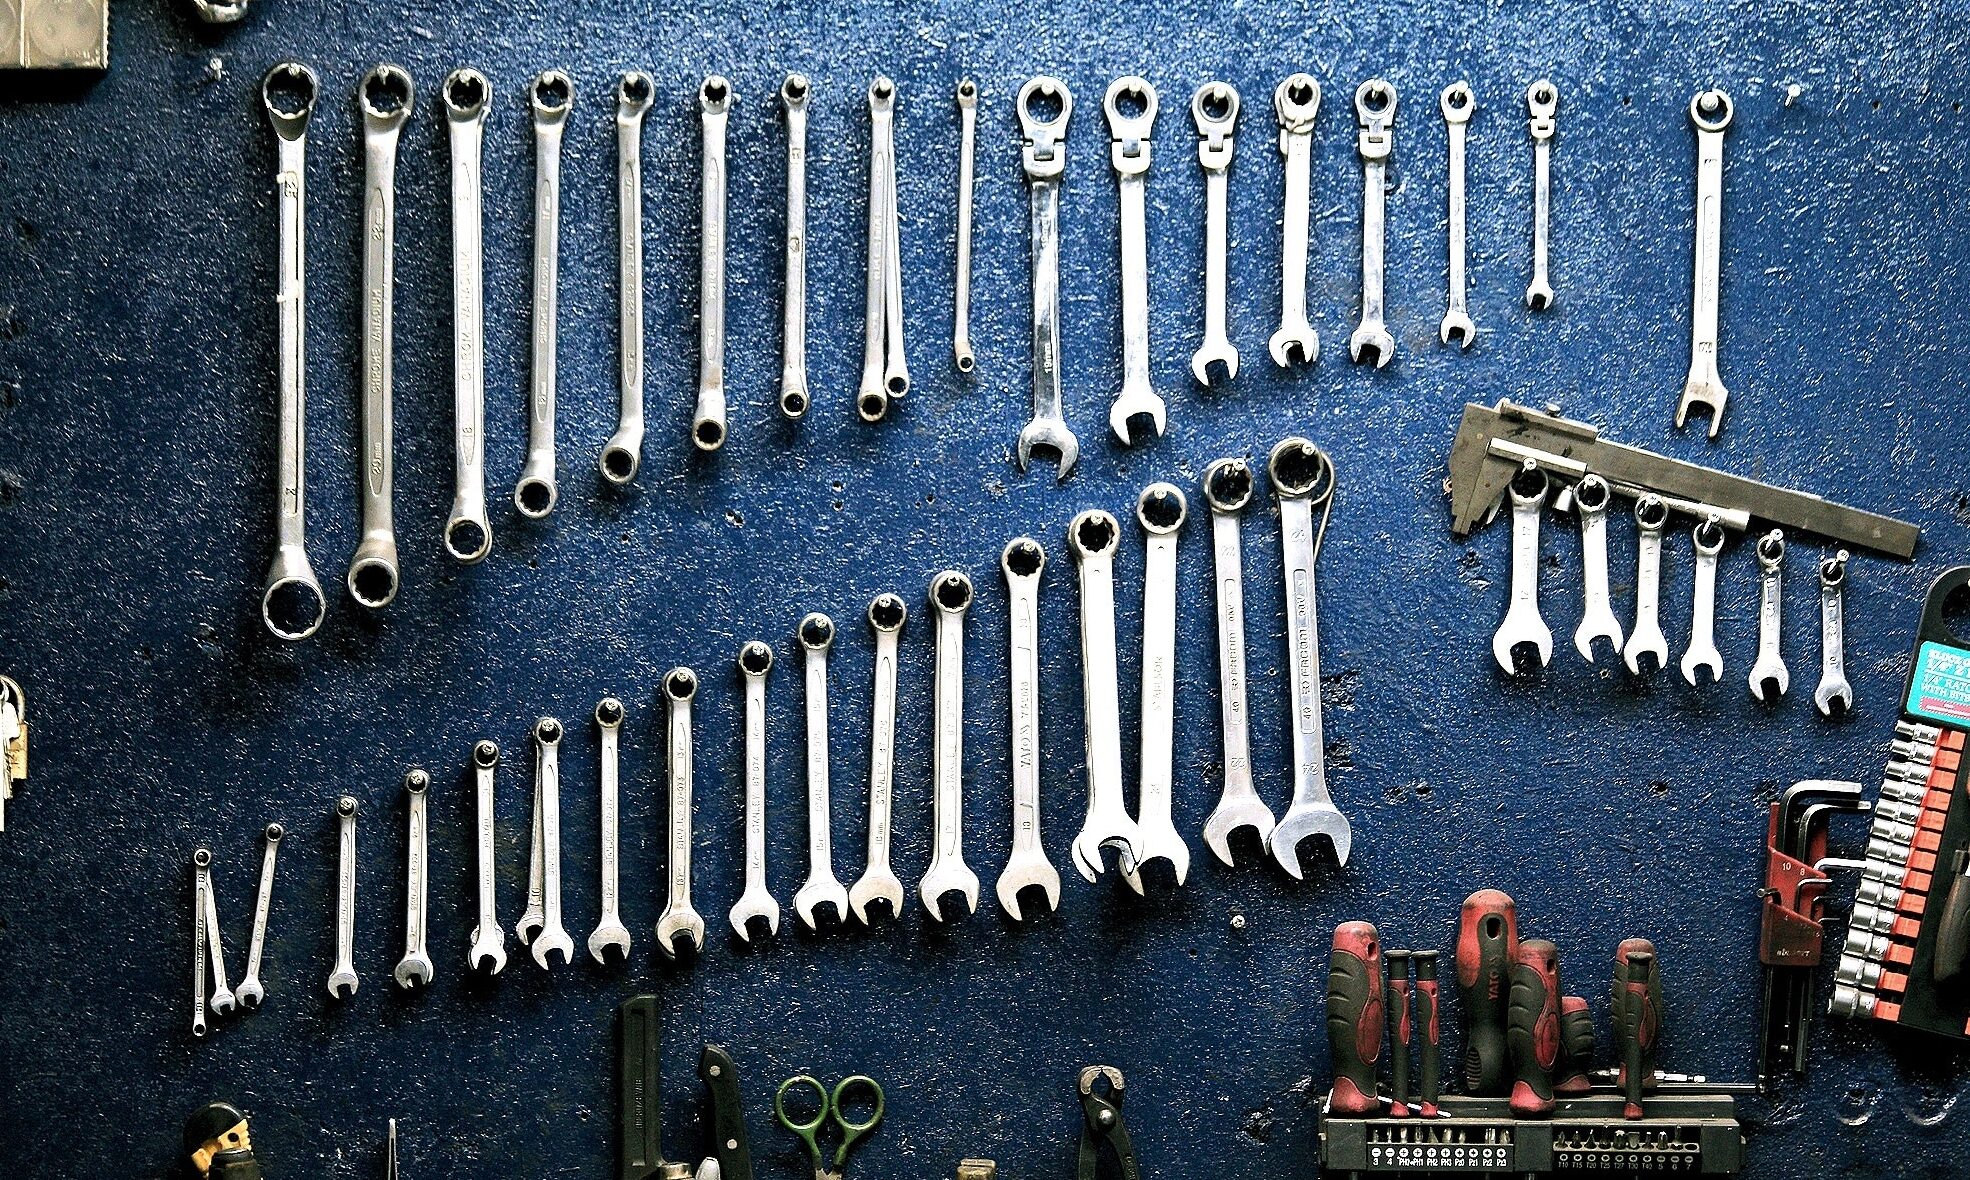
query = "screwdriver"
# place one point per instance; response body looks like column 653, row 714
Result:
column 1532, row 1027
column 1355, row 1018
column 1397, row 1008
column 1487, row 939
column 1637, row 1018
column 1576, row 1046
column 1429, row 1031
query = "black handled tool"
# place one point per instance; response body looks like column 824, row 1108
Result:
column 1953, row 930
column 1576, row 1046
column 1400, row 1032
column 1532, row 1027
column 729, row 1145
column 1355, row 1018
column 1637, row 1019
column 1101, row 1088
column 640, row 1078
column 1429, row 1031
column 217, row 1143
column 1487, row 940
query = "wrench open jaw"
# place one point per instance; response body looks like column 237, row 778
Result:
column 342, row 980
column 950, row 598
column 756, row 903
column 1523, row 625
column 817, row 635
column 415, row 969
column 1093, row 537
column 887, row 613
column 1295, row 103
column 551, row 936
column 1591, row 497
column 610, row 934
column 1374, row 107
column 1214, row 109
column 1769, row 678
column 1130, row 105
column 1708, row 538
column 679, row 920
column 1703, row 389
column 1022, row 562
column 1044, row 106
column 488, row 952
column 1834, row 694
column 1227, row 486
column 251, row 991
column 1651, row 513
column 1161, row 510
column 1457, row 104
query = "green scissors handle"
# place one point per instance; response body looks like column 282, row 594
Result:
column 831, row 1108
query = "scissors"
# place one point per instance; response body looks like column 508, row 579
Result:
column 831, row 1108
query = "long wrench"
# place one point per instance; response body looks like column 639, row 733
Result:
column 1043, row 156
column 1214, row 109
column 950, row 599
column 251, row 991
column 679, row 918
column 1710, row 112
column 794, row 397
column 222, row 995
column 1542, row 101
column 755, row 661
column 1523, row 626
column 961, row 354
column 342, row 981
column 201, row 936
column 1227, row 488
column 1093, row 536
column 1161, row 510
column 1590, row 499
column 623, row 453
column 708, row 420
column 1708, row 539
column 1651, row 513
column 1374, row 110
column 817, row 634
column 878, row 881
column 610, row 933
column 1295, row 103
column 488, row 951
column 415, row 969
column 551, row 96
column 1833, row 687
column 1022, row 562
column 1130, row 106
column 291, row 604
column 385, row 97
column 1303, row 478
column 468, row 534
column 1457, row 104
column 553, row 936
column 1769, row 668
column 885, row 374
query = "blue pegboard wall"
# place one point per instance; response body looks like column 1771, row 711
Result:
column 136, row 441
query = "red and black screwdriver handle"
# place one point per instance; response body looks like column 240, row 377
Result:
column 1576, row 1046
column 1355, row 1018
column 1401, row 1031
column 1487, row 940
column 1637, row 1019
column 1429, row 1030
column 1532, row 1027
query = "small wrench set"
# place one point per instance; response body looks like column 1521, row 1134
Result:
column 210, row 991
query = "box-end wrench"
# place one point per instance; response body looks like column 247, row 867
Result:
column 1093, row 537
column 1022, row 562
column 468, row 534
column 1130, row 106
column 1302, row 479
column 610, row 933
column 553, row 936
column 623, row 453
column 708, row 420
column 1833, row 693
column 1457, row 104
column 1769, row 678
column 878, row 881
column 488, row 953
column 1214, row 109
column 961, row 354
column 756, row 903
column 251, row 991
column 1227, row 488
column 415, row 969
column 1542, row 102
column 885, row 375
column 950, row 599
column 1523, row 626
column 222, row 995
column 794, row 396
column 679, row 918
column 1651, row 513
column 1374, row 110
column 385, row 98
column 201, row 937
column 1295, row 103
column 1708, row 539
column 817, row 634
column 1710, row 112
column 342, row 981
column 550, row 95
column 1590, row 500
column 1044, row 106
column 1160, row 510
column 291, row 604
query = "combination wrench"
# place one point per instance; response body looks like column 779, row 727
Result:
column 885, row 375
column 1022, row 562
column 223, row 996
column 1457, row 104
column 415, row 969
column 610, row 933
column 1710, row 112
column 551, row 935
column 950, row 598
column 623, row 453
column 1093, row 537
column 1833, row 689
column 291, row 604
column 385, row 97
column 1591, row 497
column 679, row 918
column 756, row 903
column 1708, row 539
column 1227, row 486
column 488, row 951
column 342, row 981
column 1214, row 109
column 878, row 881
column 550, row 96
column 794, row 396
column 1303, row 478
column 1542, row 102
column 1160, row 510
column 1651, row 513
column 817, row 634
column 1523, row 626
column 201, row 935
column 251, row 991
column 1295, row 104
column 468, row 534
column 1044, row 106
column 708, row 420
column 961, row 354
column 1130, row 106
column 1768, row 673
column 1374, row 110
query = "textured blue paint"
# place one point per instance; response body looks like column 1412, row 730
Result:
column 137, row 354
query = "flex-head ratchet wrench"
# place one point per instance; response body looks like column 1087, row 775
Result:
column 1303, row 478
column 468, row 534
column 623, row 453
column 950, row 599
column 291, row 605
column 201, row 936
column 757, row 902
column 1457, row 104
column 550, row 96
column 1227, row 488
column 1542, row 101
column 1523, row 626
column 610, row 933
column 1591, row 497
column 1708, row 539
column 1130, row 106
column 1093, row 536
column 1833, row 689
column 222, row 995
column 488, row 953
column 1160, row 510
column 885, row 375
column 342, row 980
column 1374, row 110
column 385, row 97
column 679, row 918
column 1651, row 513
column 1710, row 113
column 817, row 634
column 1214, row 109
column 552, row 936
column 961, row 354
column 1295, row 103
column 1027, row 867
column 794, row 397
column 1044, row 106
column 251, row 991
column 415, row 968
column 878, row 881
column 1768, row 672
column 708, row 420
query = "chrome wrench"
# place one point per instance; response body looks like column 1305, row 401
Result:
column 1769, row 668
column 414, row 969
column 755, row 661
column 623, row 453
column 878, row 881
column 679, row 918
column 794, row 396
column 342, row 981
column 551, row 95
column 1647, row 638
column 1542, row 101
column 488, row 951
column 1296, row 102
column 1022, row 562
column 251, row 991
column 1708, row 539
column 961, row 354
column 1833, row 688
column 1214, row 109
column 222, row 995
column 708, row 421
column 1590, row 500
column 950, row 598
column 1093, row 537
column 468, row 534
column 817, row 634
column 1227, row 487
column 1710, row 112
column 553, row 936
column 385, row 97
column 885, row 375
column 201, row 936
column 1160, row 509
column 610, row 933
column 1044, row 159
column 1374, row 109
column 1457, row 104
column 1523, row 626
column 1129, row 154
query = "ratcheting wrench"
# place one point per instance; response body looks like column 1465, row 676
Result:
column 1710, row 112
column 201, row 935
column 415, row 969
column 610, row 932
column 1590, row 499
column 1303, row 477
column 1161, row 510
column 878, row 881
column 1295, row 103
column 1769, row 668
column 950, row 598
column 1093, row 536
column 385, row 99
column 222, row 996
column 708, row 420
column 679, row 919
column 551, row 95
column 342, row 981
column 794, row 397
column 468, row 534
column 291, row 604
column 1833, row 689
column 1044, row 159
column 552, row 936
column 250, row 990
column 1647, row 638
column 1128, row 154
column 817, row 634
column 755, row 661
column 1708, row 539
column 1523, row 626
column 1374, row 109
column 1228, row 488
column 961, row 354
column 1457, row 103
column 623, row 453
column 885, row 375
column 1542, row 100
column 488, row 951
column 1028, row 867
column 1214, row 109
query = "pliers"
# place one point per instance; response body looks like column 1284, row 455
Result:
column 1101, row 1118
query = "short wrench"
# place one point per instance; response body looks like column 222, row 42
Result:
column 1647, row 638
column 1374, row 110
column 794, row 397
column 950, row 599
column 201, row 936
column 342, row 979
column 551, row 96
column 1295, row 103
column 553, row 935
column 1214, row 109
column 414, row 969
column 885, row 375
column 1710, row 112
column 1160, row 510
column 623, row 453
column 610, row 933
column 1227, row 487
column 1093, row 536
column 1130, row 136
column 817, row 634
column 1833, row 689
column 756, row 903
column 1523, row 625
column 1028, row 867
column 1303, row 479
column 222, row 995
column 535, row 915
column 488, row 951
column 1708, row 539
column 708, row 420
column 1768, row 671
column 1043, row 131
column 468, row 534
column 679, row 919
column 1590, row 499
column 961, row 354
column 1457, row 103
column 251, row 991
column 878, row 881
column 291, row 605
column 1542, row 100
column 385, row 97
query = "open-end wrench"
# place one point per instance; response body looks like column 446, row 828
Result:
column 610, row 933
column 1093, row 537
column 679, row 918
column 415, row 969
column 1647, row 638
column 755, row 661
column 1044, row 106
column 1160, row 510
column 488, row 951
column 1302, row 479
column 885, row 375
column 222, row 995
column 342, row 981
column 1214, row 109
column 1833, row 689
column 1227, row 488
column 708, row 420
column 1457, row 103
column 794, row 396
column 1710, row 112
column 550, row 95
column 553, row 936
column 623, row 453
column 1542, row 101
column 385, row 97
column 817, row 634
column 1708, row 538
column 878, row 881
column 1130, row 105
column 468, row 534
column 535, row 915
column 950, row 598
column 961, row 354
column 1768, row 672
column 1374, row 110
column 1295, row 103
column 251, row 991
column 291, row 603
column 201, row 861
column 1590, row 499
column 1523, row 625
column 1028, row 867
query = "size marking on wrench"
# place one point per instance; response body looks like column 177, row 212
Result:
column 1161, row 510
column 468, row 534
column 817, row 634
column 385, row 97
column 1130, row 106
column 1022, row 562
column 1374, row 110
column 1768, row 675
column 1708, row 538
column 1710, row 112
column 1523, row 626
column 553, row 936
column 1833, row 694
column 1295, row 103
column 1590, row 499
column 1542, row 101
column 878, row 882
column 1651, row 513
column 885, row 375
column 950, row 599
column 961, row 354
column 222, row 995
column 291, row 604
column 679, row 919
column 610, row 933
column 794, row 397
column 1227, row 488
column 1044, row 106
column 342, row 981
column 488, row 951
column 623, row 453
column 1302, row 479
column 415, row 968
column 1214, row 109
column 551, row 97
column 1093, row 537
column 756, row 903
column 1457, row 104
column 708, row 420
column 251, row 991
